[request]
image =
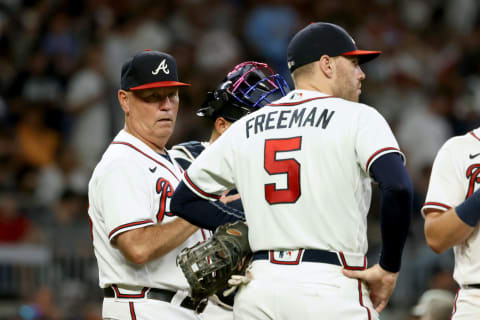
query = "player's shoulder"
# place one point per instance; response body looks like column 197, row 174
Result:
column 190, row 148
column 184, row 153
column 460, row 142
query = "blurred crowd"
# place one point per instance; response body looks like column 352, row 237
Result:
column 60, row 71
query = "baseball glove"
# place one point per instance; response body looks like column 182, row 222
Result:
column 208, row 265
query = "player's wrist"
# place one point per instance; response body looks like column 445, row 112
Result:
column 469, row 210
column 392, row 268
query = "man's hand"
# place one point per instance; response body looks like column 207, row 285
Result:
column 380, row 282
column 225, row 198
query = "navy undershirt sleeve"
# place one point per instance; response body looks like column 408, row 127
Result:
column 201, row 212
column 396, row 206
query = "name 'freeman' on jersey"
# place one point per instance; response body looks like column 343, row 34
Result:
column 282, row 119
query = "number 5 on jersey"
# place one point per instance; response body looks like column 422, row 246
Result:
column 290, row 166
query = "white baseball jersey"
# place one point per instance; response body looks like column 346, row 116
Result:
column 301, row 166
column 455, row 176
column 130, row 188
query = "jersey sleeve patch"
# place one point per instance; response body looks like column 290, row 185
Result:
column 129, row 226
column 197, row 189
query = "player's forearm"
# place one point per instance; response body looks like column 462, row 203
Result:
column 200, row 212
column 143, row 245
column 397, row 196
column 444, row 230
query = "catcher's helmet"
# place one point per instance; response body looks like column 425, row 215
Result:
column 248, row 87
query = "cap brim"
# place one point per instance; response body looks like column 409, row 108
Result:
column 363, row 55
column 160, row 84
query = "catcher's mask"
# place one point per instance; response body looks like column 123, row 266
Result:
column 248, row 87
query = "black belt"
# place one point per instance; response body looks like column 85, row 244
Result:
column 309, row 255
column 159, row 294
column 472, row 286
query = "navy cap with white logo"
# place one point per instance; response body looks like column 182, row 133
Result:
column 150, row 69
column 320, row 38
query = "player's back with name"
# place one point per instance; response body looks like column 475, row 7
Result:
column 317, row 112
column 316, row 116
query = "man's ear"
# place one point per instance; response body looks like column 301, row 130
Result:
column 123, row 98
column 221, row 125
column 326, row 65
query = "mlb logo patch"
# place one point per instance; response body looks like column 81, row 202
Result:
column 286, row 256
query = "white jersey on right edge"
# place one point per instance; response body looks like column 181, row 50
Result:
column 301, row 166
column 455, row 176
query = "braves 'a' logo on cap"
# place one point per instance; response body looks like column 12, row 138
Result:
column 162, row 66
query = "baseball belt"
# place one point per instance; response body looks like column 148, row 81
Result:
column 309, row 255
column 471, row 286
column 162, row 295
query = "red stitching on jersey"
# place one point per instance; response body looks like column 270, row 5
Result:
column 210, row 195
column 474, row 135
column 376, row 153
column 129, row 225
column 346, row 266
column 146, row 155
column 438, row 204
column 298, row 102
column 272, row 260
column 361, row 299
column 132, row 311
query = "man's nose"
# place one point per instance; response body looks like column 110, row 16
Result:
column 165, row 103
column 361, row 75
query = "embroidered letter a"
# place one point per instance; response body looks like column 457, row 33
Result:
column 162, row 66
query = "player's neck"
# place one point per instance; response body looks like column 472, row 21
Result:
column 157, row 146
column 314, row 84
column 214, row 136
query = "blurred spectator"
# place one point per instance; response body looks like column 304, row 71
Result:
column 217, row 50
column 268, row 28
column 37, row 142
column 39, row 85
column 423, row 129
column 60, row 43
column 434, row 304
column 41, row 306
column 87, row 102
column 69, row 230
column 15, row 227
column 62, row 175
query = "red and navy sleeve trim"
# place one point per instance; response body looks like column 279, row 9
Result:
column 298, row 102
column 373, row 156
column 436, row 204
column 127, row 225
column 146, row 155
column 206, row 194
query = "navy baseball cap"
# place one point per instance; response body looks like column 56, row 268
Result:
column 320, row 38
column 150, row 69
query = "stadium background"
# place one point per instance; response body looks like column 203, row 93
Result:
column 59, row 73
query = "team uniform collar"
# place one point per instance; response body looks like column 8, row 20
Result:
column 476, row 133
column 123, row 137
column 299, row 95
